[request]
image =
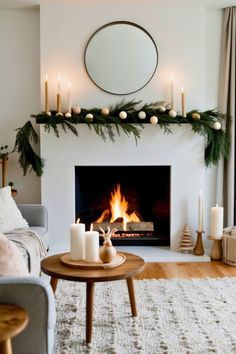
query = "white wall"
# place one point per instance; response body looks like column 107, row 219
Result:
column 20, row 89
column 65, row 31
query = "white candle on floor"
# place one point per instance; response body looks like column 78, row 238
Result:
column 200, row 212
column 217, row 214
column 92, row 246
column 77, row 241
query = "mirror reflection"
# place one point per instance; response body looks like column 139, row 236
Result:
column 121, row 58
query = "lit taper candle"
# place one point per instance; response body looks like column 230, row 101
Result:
column 183, row 100
column 46, row 93
column 69, row 98
column 172, row 92
column 59, row 94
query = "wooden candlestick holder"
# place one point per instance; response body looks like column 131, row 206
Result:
column 198, row 249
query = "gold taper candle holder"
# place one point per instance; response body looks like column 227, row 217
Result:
column 198, row 249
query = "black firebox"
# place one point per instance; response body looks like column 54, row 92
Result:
column 142, row 192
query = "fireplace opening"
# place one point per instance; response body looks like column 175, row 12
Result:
column 135, row 200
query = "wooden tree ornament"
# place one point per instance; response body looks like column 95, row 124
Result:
column 186, row 245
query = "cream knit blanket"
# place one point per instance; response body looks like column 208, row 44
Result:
column 30, row 241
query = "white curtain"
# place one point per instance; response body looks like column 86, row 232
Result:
column 227, row 105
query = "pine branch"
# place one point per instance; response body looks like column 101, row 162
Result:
column 28, row 159
column 217, row 142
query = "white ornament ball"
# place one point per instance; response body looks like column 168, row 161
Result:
column 48, row 114
column 217, row 126
column 153, row 120
column 162, row 108
column 123, row 115
column 141, row 115
column 68, row 115
column 77, row 109
column 172, row 113
column 105, row 111
column 89, row 116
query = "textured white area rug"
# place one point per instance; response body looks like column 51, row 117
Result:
column 193, row 316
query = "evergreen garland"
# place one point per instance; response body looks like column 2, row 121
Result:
column 217, row 142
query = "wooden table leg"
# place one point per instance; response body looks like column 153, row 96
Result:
column 53, row 283
column 130, row 285
column 89, row 311
column 5, row 347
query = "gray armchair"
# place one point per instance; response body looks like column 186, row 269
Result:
column 36, row 296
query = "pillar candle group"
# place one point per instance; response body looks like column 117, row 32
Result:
column 84, row 245
column 216, row 218
column 57, row 96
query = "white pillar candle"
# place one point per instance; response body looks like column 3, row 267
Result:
column 77, row 241
column 217, row 215
column 92, row 246
column 200, row 212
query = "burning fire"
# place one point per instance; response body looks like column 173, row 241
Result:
column 118, row 209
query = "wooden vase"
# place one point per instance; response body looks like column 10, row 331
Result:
column 107, row 253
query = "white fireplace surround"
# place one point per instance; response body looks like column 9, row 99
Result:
column 183, row 151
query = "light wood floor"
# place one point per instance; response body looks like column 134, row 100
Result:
column 187, row 270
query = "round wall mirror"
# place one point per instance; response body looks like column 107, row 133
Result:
column 121, row 57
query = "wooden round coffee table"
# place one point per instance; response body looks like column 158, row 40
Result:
column 57, row 270
column 13, row 319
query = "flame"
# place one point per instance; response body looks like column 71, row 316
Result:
column 78, row 220
column 119, row 206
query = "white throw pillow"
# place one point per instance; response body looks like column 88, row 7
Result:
column 10, row 216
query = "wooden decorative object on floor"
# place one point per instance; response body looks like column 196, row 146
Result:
column 13, row 319
column 198, row 249
column 186, row 245
column 216, row 249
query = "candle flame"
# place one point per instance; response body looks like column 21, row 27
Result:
column 69, row 85
column 172, row 78
column 46, row 77
column 216, row 205
column 182, row 89
column 78, row 220
column 118, row 209
column 59, row 77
